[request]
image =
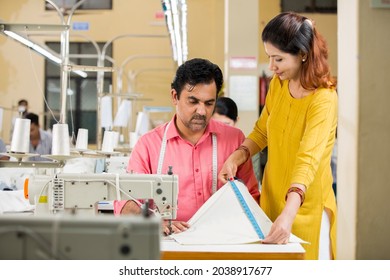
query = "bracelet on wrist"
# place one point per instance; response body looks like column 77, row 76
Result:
column 297, row 190
column 245, row 150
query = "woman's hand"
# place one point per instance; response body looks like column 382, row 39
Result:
column 280, row 230
column 228, row 171
column 238, row 157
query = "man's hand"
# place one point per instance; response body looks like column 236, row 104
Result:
column 131, row 208
column 174, row 227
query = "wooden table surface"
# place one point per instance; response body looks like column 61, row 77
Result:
column 171, row 250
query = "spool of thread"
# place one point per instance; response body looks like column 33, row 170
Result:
column 121, row 138
column 82, row 139
column 106, row 112
column 21, row 136
column 133, row 136
column 123, row 115
column 60, row 145
column 108, row 141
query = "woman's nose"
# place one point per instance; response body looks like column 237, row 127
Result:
column 271, row 65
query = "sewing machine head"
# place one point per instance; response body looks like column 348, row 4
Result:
column 94, row 193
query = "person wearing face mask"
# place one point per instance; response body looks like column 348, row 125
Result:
column 298, row 125
column 22, row 107
column 192, row 143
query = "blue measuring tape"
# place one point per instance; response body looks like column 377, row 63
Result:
column 247, row 211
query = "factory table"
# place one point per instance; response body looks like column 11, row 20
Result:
column 171, row 250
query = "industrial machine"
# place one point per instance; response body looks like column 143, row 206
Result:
column 78, row 237
column 96, row 193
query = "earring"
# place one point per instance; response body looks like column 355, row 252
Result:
column 303, row 59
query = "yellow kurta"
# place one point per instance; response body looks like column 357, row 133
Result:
column 300, row 134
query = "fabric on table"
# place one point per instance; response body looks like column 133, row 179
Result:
column 221, row 220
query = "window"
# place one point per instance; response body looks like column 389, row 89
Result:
column 66, row 5
column 82, row 92
column 310, row 6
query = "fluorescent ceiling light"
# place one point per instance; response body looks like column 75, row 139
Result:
column 49, row 54
column 176, row 19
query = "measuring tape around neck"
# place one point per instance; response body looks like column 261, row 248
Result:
column 214, row 157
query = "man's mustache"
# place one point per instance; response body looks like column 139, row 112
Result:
column 199, row 117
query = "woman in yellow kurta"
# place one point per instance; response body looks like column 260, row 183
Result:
column 298, row 125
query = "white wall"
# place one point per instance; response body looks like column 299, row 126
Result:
column 364, row 131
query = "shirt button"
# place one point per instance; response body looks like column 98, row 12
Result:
column 199, row 193
column 197, row 170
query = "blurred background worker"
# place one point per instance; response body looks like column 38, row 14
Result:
column 40, row 140
column 226, row 111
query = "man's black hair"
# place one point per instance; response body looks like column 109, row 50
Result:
column 33, row 118
column 197, row 71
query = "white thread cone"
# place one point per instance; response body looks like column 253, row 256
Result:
column 60, row 145
column 21, row 136
column 82, row 139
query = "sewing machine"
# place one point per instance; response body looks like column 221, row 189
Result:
column 79, row 237
column 95, row 193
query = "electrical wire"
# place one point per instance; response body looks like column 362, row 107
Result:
column 40, row 88
column 71, row 111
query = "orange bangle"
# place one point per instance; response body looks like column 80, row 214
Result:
column 298, row 191
column 246, row 151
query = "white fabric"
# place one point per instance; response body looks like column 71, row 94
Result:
column 80, row 165
column 325, row 248
column 14, row 201
column 221, row 220
column 13, row 178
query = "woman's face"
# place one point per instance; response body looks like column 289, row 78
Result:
column 286, row 66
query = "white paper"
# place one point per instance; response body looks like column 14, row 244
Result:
column 222, row 220
column 244, row 90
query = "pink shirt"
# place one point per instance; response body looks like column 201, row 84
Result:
column 192, row 163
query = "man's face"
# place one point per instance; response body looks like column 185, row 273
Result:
column 195, row 106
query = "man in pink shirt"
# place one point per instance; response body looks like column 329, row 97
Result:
column 192, row 145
